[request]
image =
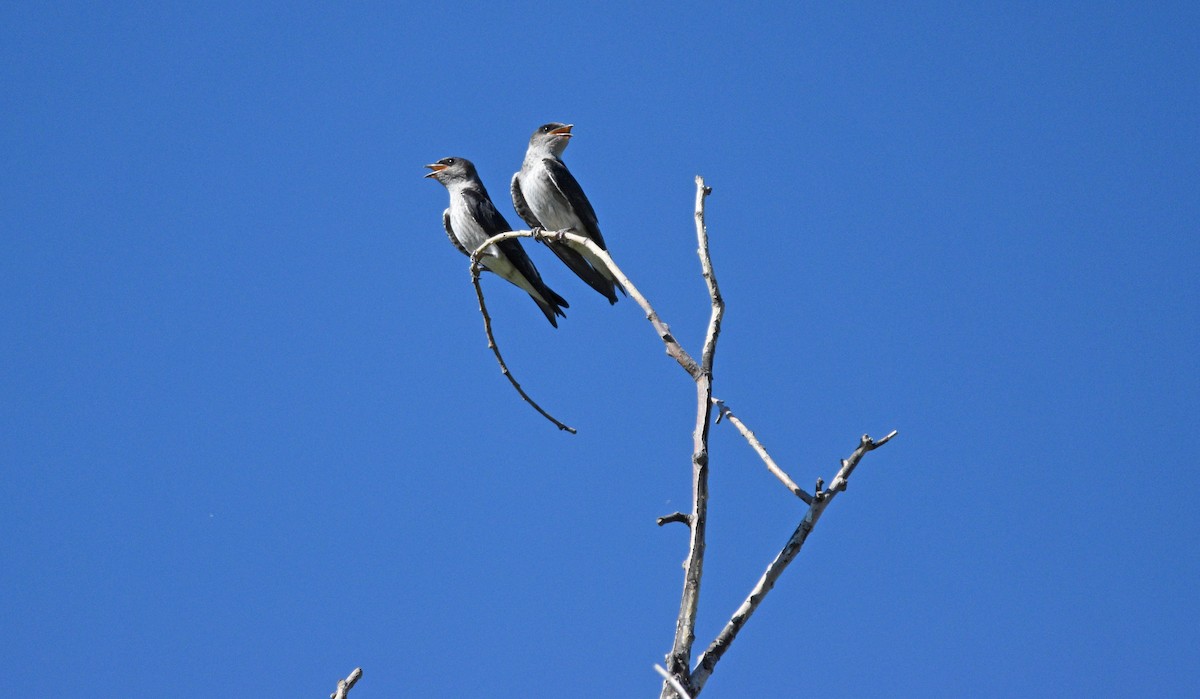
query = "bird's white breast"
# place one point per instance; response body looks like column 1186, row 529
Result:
column 466, row 228
column 547, row 203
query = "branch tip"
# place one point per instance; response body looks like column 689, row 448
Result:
column 885, row 440
column 343, row 686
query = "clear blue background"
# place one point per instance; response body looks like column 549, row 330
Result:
column 252, row 435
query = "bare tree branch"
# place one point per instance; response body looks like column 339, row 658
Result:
column 710, row 657
column 343, row 686
column 487, row 328
column 679, row 660
column 725, row 412
column 679, row 680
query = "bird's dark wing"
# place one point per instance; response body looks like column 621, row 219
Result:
column 450, row 233
column 483, row 211
column 516, row 254
column 519, row 204
column 480, row 206
column 578, row 264
column 573, row 193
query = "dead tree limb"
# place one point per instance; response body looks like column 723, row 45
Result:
column 679, row 659
column 680, row 679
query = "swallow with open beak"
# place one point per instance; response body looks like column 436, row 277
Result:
column 472, row 219
column 546, row 195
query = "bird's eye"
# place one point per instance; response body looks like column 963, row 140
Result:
column 545, row 129
column 448, row 161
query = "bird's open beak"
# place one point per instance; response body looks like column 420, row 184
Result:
column 563, row 131
column 436, row 167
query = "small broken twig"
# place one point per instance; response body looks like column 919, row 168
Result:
column 343, row 686
column 674, row 517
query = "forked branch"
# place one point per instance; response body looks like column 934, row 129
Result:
column 673, row 681
column 710, row 657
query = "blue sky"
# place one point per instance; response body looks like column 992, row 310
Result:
column 253, row 436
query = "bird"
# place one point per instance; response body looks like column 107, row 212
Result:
column 472, row 219
column 546, row 195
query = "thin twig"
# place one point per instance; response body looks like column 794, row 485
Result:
column 343, row 686
column 672, row 681
column 725, row 412
column 487, row 328
column 710, row 657
column 679, row 660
